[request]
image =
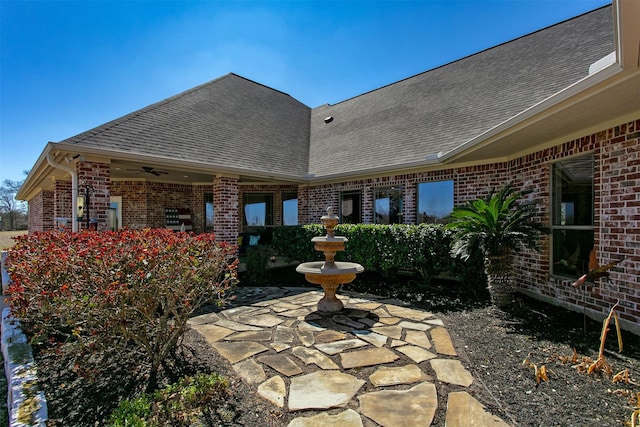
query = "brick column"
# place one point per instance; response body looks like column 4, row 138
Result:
column 98, row 176
column 41, row 212
column 303, row 205
column 62, row 200
column 226, row 219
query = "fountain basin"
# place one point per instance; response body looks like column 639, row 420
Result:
column 330, row 276
column 320, row 268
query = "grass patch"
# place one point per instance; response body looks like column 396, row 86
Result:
column 6, row 238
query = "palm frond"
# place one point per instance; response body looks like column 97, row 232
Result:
column 500, row 223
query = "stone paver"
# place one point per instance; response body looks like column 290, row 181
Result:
column 465, row 411
column 238, row 350
column 407, row 313
column 283, row 334
column 330, row 336
column 451, row 371
column 236, row 326
column 348, row 418
column 306, row 337
column 393, row 408
column 322, row 390
column 384, row 343
column 212, row 333
column 390, row 331
column 340, row 346
column 368, row 357
column 316, row 357
column 442, row 341
column 414, row 325
column 263, row 335
column 418, row 338
column 280, row 346
column 374, row 338
column 205, row 318
column 250, row 371
column 274, row 390
column 387, row 376
column 266, row 320
column 282, row 364
column 417, row 354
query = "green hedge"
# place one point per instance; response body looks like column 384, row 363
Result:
column 424, row 248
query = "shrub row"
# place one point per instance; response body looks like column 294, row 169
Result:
column 424, row 248
column 91, row 294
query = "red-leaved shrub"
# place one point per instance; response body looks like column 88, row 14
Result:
column 92, row 292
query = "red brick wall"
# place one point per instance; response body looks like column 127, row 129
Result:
column 618, row 198
column 63, row 201
column 162, row 195
column 225, row 209
column 41, row 209
column 98, row 176
column 134, row 202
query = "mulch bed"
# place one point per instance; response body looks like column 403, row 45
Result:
column 492, row 343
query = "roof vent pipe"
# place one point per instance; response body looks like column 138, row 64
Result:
column 74, row 188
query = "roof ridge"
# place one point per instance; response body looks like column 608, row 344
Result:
column 76, row 139
column 471, row 55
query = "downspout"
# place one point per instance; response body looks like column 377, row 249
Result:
column 74, row 189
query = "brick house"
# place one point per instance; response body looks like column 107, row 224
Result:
column 556, row 111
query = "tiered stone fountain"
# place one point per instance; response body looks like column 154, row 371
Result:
column 329, row 274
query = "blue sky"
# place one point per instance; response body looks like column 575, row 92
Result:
column 68, row 66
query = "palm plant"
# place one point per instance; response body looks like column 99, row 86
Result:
column 496, row 226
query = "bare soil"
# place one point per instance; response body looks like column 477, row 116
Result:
column 491, row 342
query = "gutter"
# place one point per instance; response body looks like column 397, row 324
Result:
column 74, row 188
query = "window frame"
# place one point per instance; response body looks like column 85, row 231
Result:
column 287, row 196
column 268, row 220
column 439, row 220
column 357, row 196
column 556, row 226
column 398, row 190
column 208, row 200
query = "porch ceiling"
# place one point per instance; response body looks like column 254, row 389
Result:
column 152, row 171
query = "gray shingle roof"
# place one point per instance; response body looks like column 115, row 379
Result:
column 230, row 122
column 236, row 123
column 443, row 108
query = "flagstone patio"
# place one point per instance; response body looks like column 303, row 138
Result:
column 377, row 363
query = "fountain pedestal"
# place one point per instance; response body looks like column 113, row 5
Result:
column 329, row 274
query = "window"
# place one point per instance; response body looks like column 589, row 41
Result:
column 572, row 215
column 350, row 207
column 208, row 212
column 289, row 209
column 258, row 209
column 388, row 205
column 435, row 201
column 114, row 215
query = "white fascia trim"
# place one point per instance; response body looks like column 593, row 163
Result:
column 171, row 162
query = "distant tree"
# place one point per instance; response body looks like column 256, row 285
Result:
column 12, row 211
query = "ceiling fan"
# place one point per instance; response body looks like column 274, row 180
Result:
column 149, row 169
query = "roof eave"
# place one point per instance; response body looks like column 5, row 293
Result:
column 172, row 162
column 35, row 175
column 570, row 94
